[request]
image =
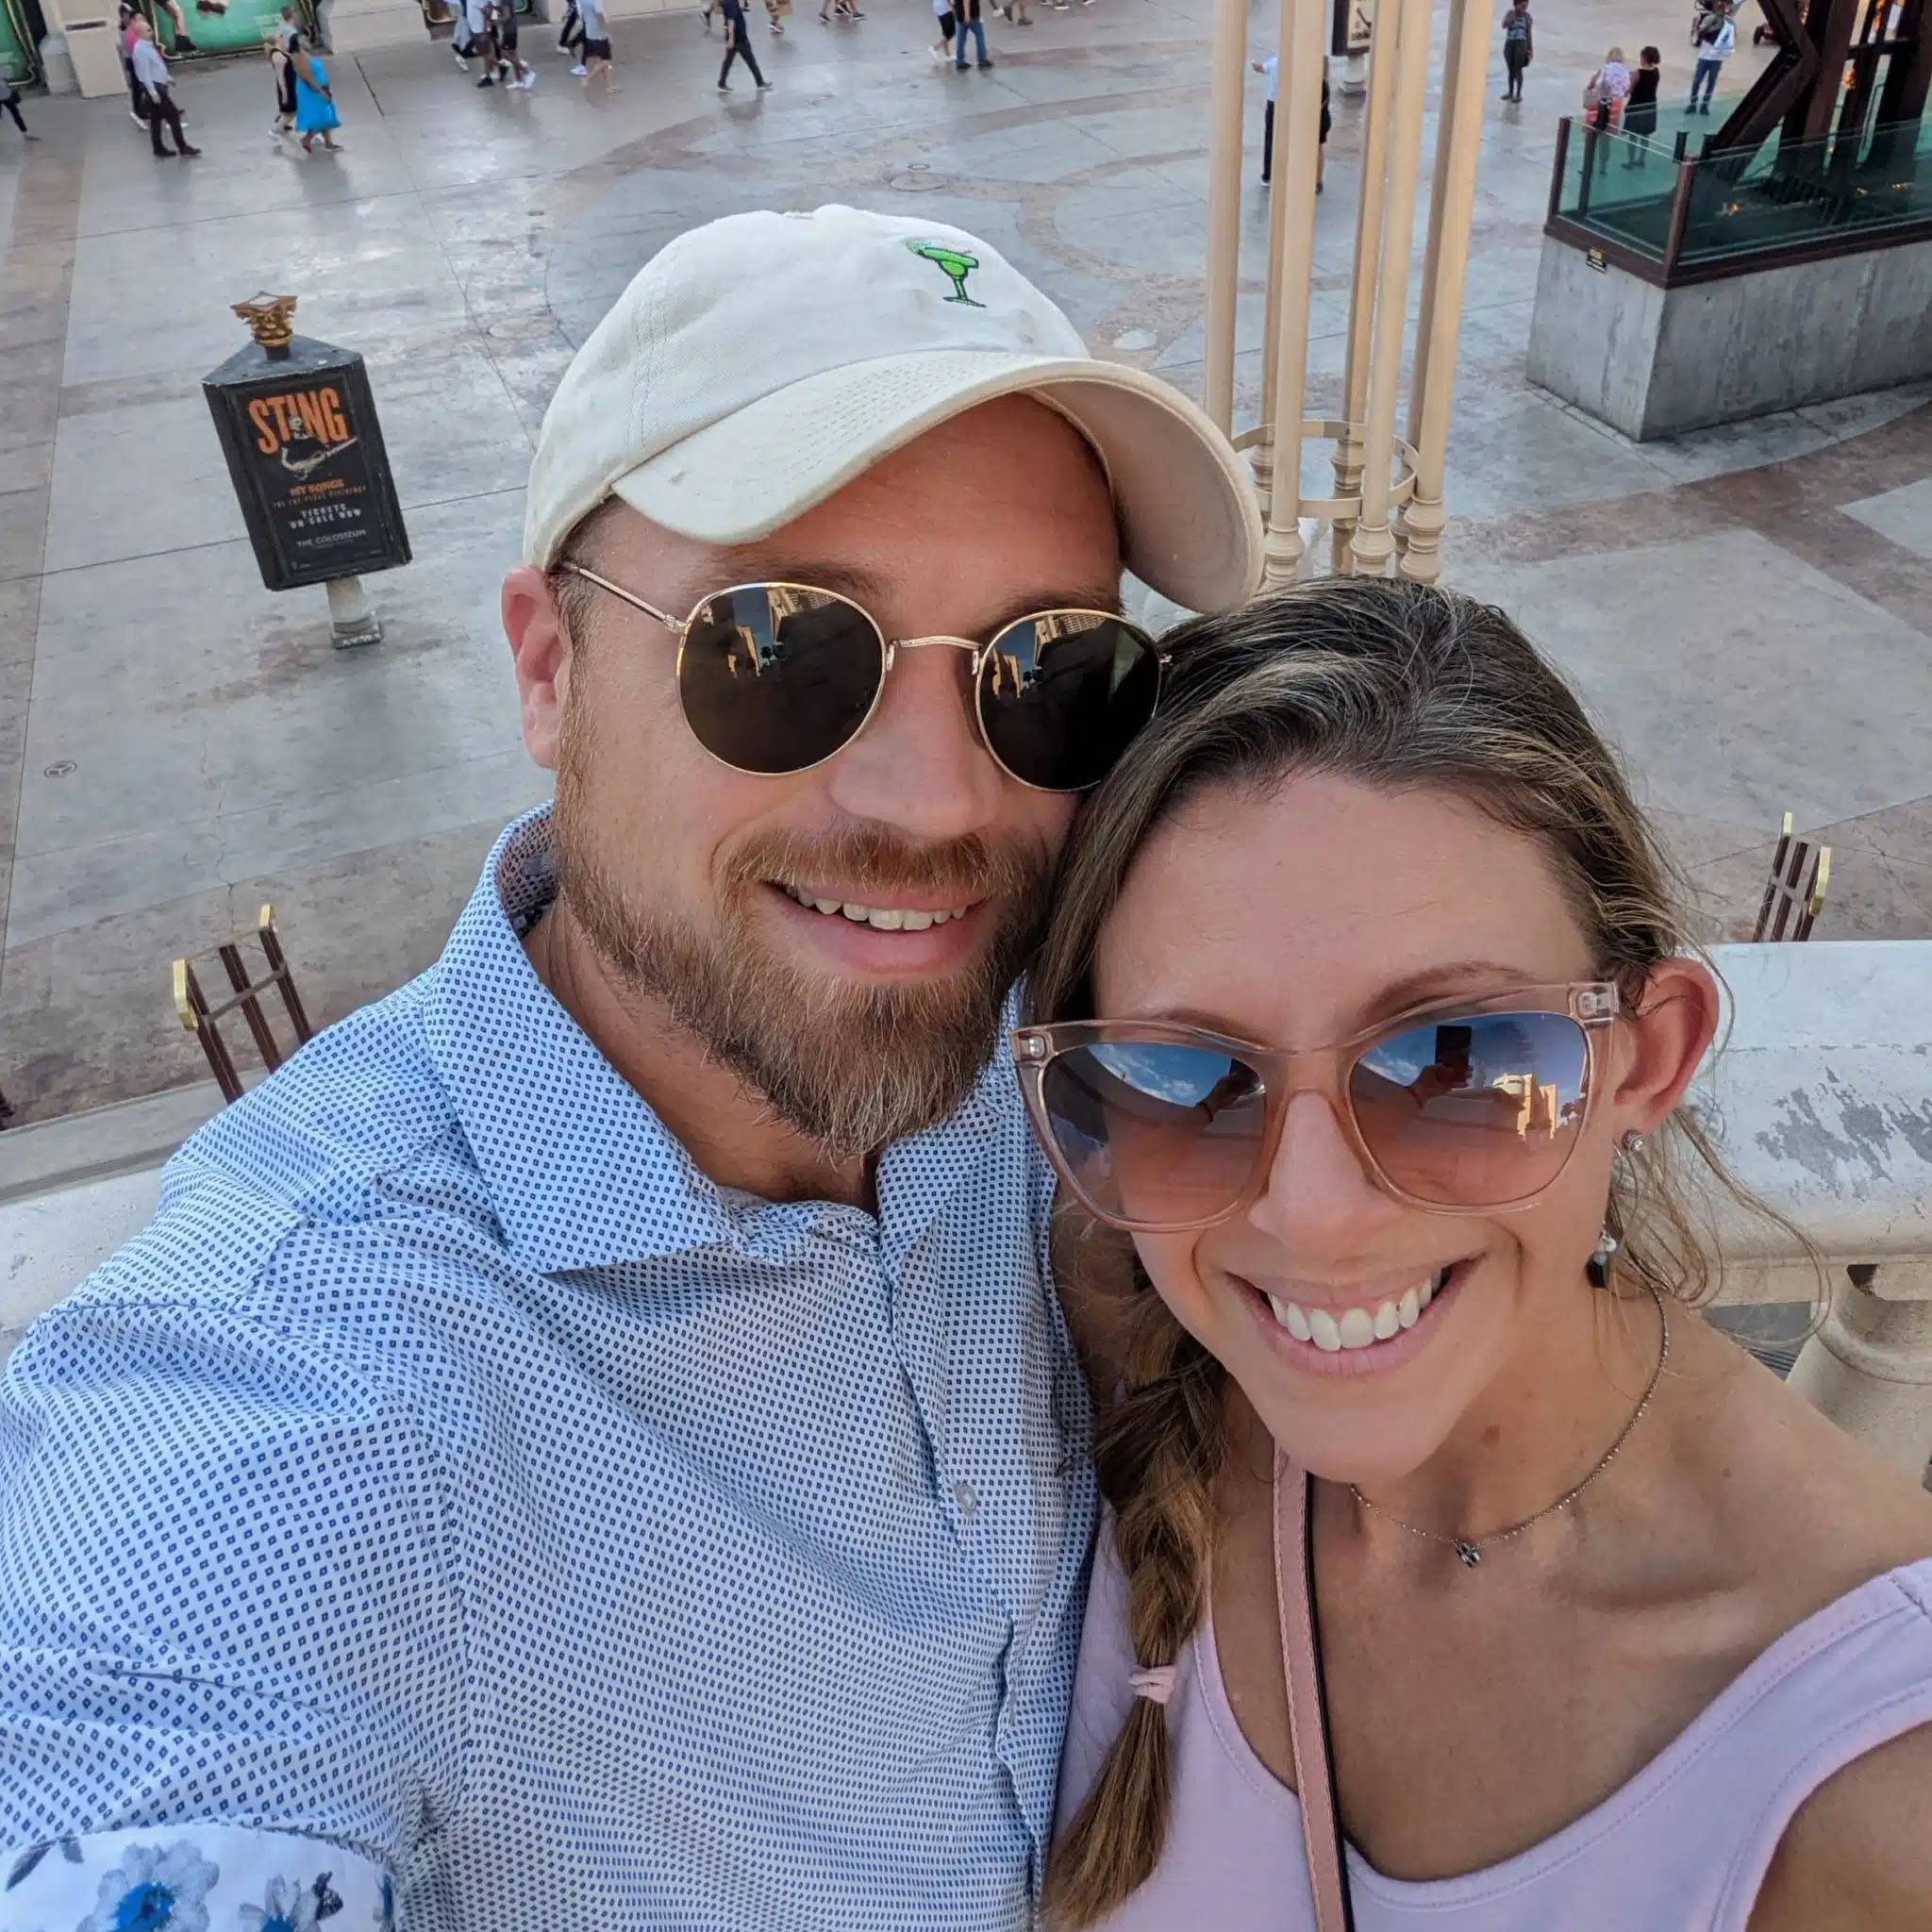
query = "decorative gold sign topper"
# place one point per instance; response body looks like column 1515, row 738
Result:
column 268, row 319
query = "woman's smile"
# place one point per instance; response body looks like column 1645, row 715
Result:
column 1350, row 1331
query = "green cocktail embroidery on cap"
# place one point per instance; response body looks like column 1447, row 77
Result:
column 957, row 266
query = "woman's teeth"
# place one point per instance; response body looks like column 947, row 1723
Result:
column 882, row 918
column 1331, row 1331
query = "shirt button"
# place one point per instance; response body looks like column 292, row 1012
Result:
column 966, row 1499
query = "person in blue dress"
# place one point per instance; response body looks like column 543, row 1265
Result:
column 315, row 106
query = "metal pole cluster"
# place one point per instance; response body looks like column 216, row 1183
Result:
column 1387, row 503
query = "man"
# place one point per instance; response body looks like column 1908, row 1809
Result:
column 512, row 68
column 151, row 71
column 595, row 51
column 966, row 21
column 592, row 1442
column 480, row 24
column 1714, row 35
column 738, row 48
column 1519, row 48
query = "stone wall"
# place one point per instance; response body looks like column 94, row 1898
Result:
column 1657, row 362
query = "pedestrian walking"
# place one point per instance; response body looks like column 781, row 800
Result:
column 124, row 40
column 570, row 37
column 315, row 105
column 479, row 18
column 281, row 60
column 776, row 11
column 9, row 103
column 966, row 19
column 838, row 9
column 595, row 62
column 1016, row 13
column 511, row 69
column 1271, row 68
column 1639, row 110
column 1714, row 33
column 1603, row 94
column 152, row 71
column 941, row 49
column 737, row 46
column 1518, row 47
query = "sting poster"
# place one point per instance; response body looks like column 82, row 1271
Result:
column 305, row 453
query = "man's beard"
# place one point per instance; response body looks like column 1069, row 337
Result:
column 850, row 1065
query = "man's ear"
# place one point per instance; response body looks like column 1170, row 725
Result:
column 1665, row 1038
column 540, row 648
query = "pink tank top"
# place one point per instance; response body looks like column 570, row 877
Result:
column 1683, row 1847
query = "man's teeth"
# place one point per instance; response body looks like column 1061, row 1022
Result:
column 1332, row 1331
column 882, row 918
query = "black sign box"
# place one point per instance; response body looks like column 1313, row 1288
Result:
column 305, row 454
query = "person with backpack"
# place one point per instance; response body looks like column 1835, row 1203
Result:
column 1517, row 47
column 1714, row 35
column 1603, row 94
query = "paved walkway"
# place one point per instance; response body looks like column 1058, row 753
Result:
column 1749, row 609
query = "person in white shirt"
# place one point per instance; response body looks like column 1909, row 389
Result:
column 1714, row 34
column 595, row 64
column 941, row 49
column 151, row 73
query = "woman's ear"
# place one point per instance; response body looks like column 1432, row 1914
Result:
column 1666, row 1032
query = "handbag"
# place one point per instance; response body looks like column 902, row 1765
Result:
column 1307, row 1701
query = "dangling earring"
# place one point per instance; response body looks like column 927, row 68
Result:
column 1598, row 1266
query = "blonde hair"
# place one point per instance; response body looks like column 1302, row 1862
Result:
column 1395, row 685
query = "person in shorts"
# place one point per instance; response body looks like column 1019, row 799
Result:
column 593, row 61
column 943, row 48
column 510, row 69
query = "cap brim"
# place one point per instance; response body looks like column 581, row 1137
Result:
column 1189, row 526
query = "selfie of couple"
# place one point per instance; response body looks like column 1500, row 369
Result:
column 1012, row 1272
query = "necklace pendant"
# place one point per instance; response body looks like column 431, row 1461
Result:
column 1470, row 1555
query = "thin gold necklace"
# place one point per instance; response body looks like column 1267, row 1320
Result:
column 1470, row 1548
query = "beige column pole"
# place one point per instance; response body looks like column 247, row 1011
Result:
column 1374, row 542
column 1231, row 52
column 1298, row 145
column 1262, row 455
column 1368, row 251
column 1452, row 203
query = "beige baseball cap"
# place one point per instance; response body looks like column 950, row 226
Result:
column 756, row 365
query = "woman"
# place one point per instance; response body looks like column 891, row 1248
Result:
column 1603, row 94
column 1640, row 109
column 1616, row 1631
column 315, row 106
column 281, row 59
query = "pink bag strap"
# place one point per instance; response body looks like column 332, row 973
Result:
column 1307, row 1722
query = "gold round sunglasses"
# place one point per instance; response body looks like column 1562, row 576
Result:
column 776, row 678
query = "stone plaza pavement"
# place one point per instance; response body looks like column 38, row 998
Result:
column 1748, row 611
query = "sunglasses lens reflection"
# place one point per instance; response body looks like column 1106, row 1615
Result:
column 1476, row 1111
column 774, row 678
column 1153, row 1134
column 1063, row 694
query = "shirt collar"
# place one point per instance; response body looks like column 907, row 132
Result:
column 582, row 1171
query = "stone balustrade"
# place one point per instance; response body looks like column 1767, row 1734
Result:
column 1821, row 1097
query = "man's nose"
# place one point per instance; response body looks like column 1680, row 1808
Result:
column 920, row 764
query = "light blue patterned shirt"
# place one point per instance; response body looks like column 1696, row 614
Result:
column 454, row 1495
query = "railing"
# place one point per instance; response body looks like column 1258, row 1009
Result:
column 1672, row 215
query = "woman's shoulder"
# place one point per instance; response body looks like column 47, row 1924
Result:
column 1857, row 1852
